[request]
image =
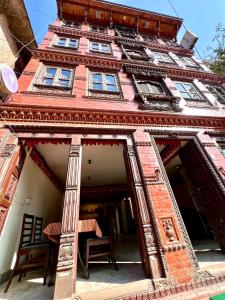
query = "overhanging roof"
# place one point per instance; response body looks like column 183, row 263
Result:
column 19, row 22
column 147, row 21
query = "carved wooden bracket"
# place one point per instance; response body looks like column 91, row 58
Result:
column 40, row 161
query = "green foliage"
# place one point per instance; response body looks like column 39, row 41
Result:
column 216, row 59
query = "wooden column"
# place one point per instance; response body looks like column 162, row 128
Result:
column 12, row 156
column 150, row 253
column 67, row 259
column 172, row 240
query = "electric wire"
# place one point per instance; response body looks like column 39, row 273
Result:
column 175, row 11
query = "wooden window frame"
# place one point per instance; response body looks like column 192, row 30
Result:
column 56, row 78
column 68, row 39
column 213, row 89
column 154, row 82
column 193, row 64
column 104, row 84
column 171, row 62
column 100, row 47
column 99, row 29
column 183, row 83
column 73, row 24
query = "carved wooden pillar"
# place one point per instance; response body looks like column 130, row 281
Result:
column 173, row 242
column 67, row 259
column 151, row 258
column 203, row 162
column 12, row 156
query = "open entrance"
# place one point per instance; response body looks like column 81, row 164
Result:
column 105, row 197
column 39, row 193
column 198, row 199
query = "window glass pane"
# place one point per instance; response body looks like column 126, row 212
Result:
column 97, row 86
column 95, row 46
column 110, row 79
column 180, row 86
column 50, row 72
column 64, row 82
column 97, row 78
column 105, row 48
column 72, row 43
column 65, row 73
column 61, row 41
column 111, row 88
column 48, row 81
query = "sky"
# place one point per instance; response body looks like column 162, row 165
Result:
column 200, row 16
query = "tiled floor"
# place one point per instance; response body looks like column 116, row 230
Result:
column 104, row 277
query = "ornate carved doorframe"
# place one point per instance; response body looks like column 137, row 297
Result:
column 12, row 158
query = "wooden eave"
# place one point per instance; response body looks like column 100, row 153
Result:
column 162, row 25
column 19, row 22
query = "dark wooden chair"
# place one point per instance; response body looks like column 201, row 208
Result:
column 33, row 254
column 37, row 235
column 100, row 247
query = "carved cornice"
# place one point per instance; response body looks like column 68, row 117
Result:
column 130, row 42
column 147, row 71
column 68, row 58
column 171, row 72
column 60, row 114
column 78, row 33
column 63, row 57
column 178, row 50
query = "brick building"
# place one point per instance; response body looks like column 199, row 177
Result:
column 112, row 110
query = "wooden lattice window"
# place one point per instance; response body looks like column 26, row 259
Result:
column 151, row 87
column 218, row 92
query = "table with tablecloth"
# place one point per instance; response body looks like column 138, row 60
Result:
column 54, row 230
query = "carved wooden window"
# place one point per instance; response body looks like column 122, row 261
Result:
column 100, row 47
column 163, row 57
column 125, row 32
column 151, row 87
column 71, row 24
column 148, row 38
column 103, row 82
column 189, row 62
column 188, row 91
column 66, row 42
column 218, row 92
column 56, row 77
column 96, row 28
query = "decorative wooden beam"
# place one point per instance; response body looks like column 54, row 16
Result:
column 40, row 161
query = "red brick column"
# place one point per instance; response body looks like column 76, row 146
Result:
column 174, row 244
column 150, row 252
column 67, row 259
column 214, row 201
column 12, row 156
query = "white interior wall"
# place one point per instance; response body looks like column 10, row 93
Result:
column 45, row 201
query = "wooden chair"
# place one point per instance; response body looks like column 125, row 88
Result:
column 100, row 247
column 34, row 254
column 37, row 236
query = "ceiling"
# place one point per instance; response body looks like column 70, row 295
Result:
column 101, row 164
